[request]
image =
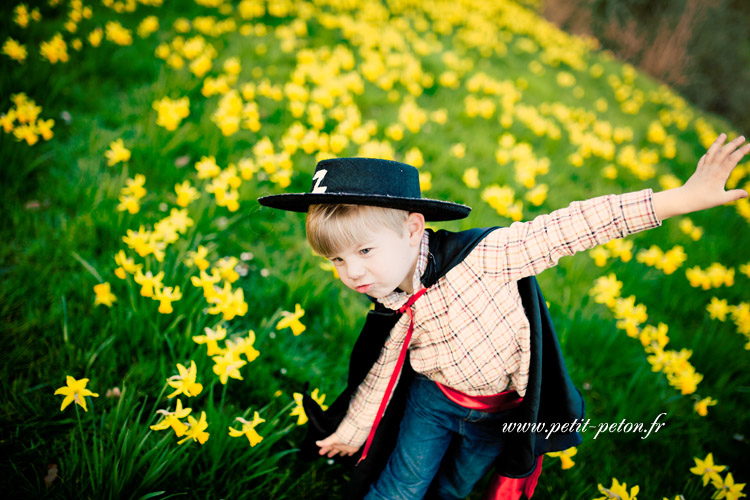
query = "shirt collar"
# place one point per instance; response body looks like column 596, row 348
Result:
column 396, row 299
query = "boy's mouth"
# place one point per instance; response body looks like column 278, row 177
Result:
column 363, row 288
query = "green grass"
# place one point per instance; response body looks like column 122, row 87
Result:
column 61, row 229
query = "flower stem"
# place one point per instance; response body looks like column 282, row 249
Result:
column 84, row 447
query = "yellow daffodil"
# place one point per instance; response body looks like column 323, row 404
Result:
column 185, row 193
column 117, row 153
column 228, row 302
column 148, row 26
column 211, row 339
column 727, row 488
column 172, row 419
column 117, row 33
column 104, row 295
column 618, row 491
column 126, row 265
column 606, row 290
column 471, row 178
column 55, row 50
column 227, row 365
column 128, row 203
column 166, row 295
column 299, row 410
column 248, row 429
column 206, row 281
column 701, row 407
column 207, row 167
column 538, row 195
column 171, row 112
column 198, row 258
column 291, row 320
column 225, row 268
column 196, row 429
column 95, row 37
column 565, row 457
column 707, row 469
column 149, row 283
column 718, row 309
column 244, row 346
column 600, row 255
column 135, row 185
column 14, row 50
column 75, row 390
column 184, row 382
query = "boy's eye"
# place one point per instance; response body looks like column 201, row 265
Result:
column 365, row 251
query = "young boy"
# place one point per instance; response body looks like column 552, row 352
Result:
column 466, row 308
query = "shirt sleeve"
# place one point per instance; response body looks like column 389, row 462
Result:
column 363, row 407
column 528, row 248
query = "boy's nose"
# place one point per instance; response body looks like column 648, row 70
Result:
column 355, row 272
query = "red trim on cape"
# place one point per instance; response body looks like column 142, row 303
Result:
column 406, row 308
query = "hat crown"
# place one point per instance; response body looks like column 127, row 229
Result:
column 366, row 176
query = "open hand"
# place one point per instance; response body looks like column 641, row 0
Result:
column 331, row 446
column 705, row 188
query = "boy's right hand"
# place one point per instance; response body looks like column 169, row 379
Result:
column 331, row 446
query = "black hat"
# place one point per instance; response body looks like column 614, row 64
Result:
column 367, row 181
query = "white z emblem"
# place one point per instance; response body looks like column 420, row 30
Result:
column 319, row 178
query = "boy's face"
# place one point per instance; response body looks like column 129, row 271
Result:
column 382, row 263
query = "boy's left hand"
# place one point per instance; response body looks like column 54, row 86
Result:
column 705, row 188
column 331, row 446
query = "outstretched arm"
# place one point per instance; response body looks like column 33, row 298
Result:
column 705, row 188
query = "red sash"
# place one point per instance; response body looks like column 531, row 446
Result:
column 500, row 487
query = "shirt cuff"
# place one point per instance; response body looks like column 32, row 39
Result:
column 350, row 434
column 638, row 212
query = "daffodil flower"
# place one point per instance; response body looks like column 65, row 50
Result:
column 701, row 407
column 149, row 282
column 727, row 488
column 707, row 469
column 166, row 296
column 244, row 345
column 291, row 320
column 564, row 457
column 126, row 265
column 185, row 383
column 172, row 419
column 211, row 339
column 227, row 365
column 299, row 410
column 228, row 302
column 75, row 390
column 225, row 268
column 248, row 429
column 186, row 193
column 618, row 491
column 196, row 429
column 117, row 153
column 718, row 309
column 104, row 295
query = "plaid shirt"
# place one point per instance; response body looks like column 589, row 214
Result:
column 471, row 332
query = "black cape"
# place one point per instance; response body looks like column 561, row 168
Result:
column 556, row 400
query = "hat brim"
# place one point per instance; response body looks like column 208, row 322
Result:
column 433, row 210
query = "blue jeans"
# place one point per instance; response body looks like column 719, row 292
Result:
column 433, row 425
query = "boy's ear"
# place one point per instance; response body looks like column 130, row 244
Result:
column 415, row 227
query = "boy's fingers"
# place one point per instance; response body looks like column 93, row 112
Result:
column 728, row 149
column 714, row 148
column 735, row 157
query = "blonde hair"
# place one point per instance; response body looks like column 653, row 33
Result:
column 331, row 228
